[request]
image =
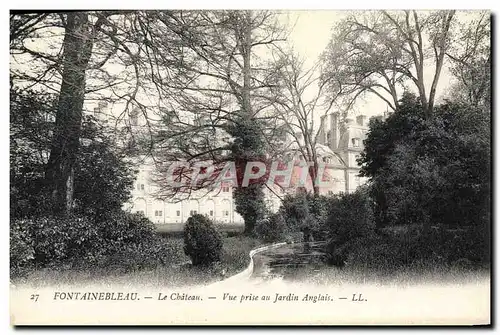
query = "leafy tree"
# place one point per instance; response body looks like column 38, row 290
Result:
column 349, row 216
column 31, row 126
column 379, row 145
column 103, row 177
column 430, row 171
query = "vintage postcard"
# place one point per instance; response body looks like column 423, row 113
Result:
column 250, row 167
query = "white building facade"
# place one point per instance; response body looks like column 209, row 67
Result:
column 338, row 146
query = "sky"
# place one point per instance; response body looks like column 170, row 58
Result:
column 310, row 35
column 311, row 32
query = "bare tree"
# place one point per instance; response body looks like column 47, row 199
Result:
column 382, row 53
column 470, row 57
column 216, row 108
column 300, row 101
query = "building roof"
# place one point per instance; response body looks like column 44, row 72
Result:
column 323, row 151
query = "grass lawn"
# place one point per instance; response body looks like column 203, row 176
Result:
column 179, row 273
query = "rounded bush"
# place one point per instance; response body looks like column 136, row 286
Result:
column 202, row 241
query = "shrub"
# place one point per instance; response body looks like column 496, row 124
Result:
column 271, row 229
column 306, row 213
column 295, row 209
column 22, row 251
column 135, row 257
column 377, row 253
column 350, row 216
column 202, row 241
column 123, row 240
column 61, row 241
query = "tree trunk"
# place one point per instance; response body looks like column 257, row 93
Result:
column 77, row 49
column 313, row 173
column 249, row 200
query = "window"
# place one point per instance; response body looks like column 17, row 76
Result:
column 211, row 213
column 193, row 212
column 330, row 192
column 142, row 187
column 178, row 213
column 158, row 213
column 355, row 142
column 225, row 189
column 140, row 212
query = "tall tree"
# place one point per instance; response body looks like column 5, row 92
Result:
column 470, row 57
column 430, row 171
column 299, row 100
column 103, row 175
column 383, row 52
column 94, row 45
column 216, row 108
column 77, row 50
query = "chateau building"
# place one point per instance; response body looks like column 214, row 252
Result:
column 339, row 145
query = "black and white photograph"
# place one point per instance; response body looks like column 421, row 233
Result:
column 250, row 167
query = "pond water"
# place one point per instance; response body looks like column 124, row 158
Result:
column 285, row 261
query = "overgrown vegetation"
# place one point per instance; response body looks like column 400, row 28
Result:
column 428, row 199
column 122, row 242
column 103, row 177
column 272, row 228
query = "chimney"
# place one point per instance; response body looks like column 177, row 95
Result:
column 322, row 133
column 334, row 131
column 360, row 120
